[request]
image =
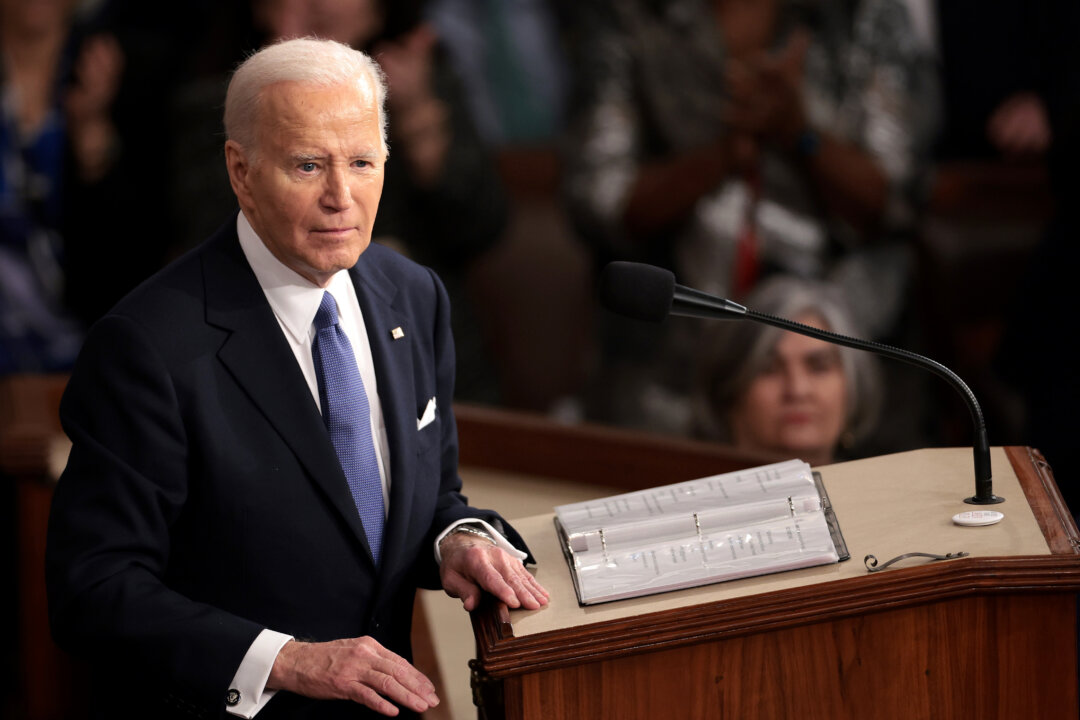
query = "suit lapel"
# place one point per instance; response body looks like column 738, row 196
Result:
column 392, row 357
column 261, row 362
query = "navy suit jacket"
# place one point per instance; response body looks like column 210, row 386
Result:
column 203, row 500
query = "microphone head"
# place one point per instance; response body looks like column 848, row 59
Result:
column 639, row 291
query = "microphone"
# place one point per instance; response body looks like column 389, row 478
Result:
column 647, row 292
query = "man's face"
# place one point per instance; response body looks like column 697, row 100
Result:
column 312, row 188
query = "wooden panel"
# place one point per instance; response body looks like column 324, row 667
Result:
column 425, row 660
column 534, row 445
column 1049, row 508
column 49, row 684
column 502, row 654
column 970, row 658
column 29, row 422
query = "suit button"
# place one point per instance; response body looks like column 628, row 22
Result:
column 232, row 698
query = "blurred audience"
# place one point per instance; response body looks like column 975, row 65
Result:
column 510, row 59
column 730, row 140
column 1000, row 62
column 769, row 390
column 1034, row 355
column 56, row 134
column 1011, row 76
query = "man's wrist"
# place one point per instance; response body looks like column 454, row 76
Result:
column 497, row 536
column 251, row 688
column 469, row 529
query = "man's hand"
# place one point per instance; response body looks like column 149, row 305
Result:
column 357, row 669
column 471, row 565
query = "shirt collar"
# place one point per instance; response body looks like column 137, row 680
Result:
column 293, row 298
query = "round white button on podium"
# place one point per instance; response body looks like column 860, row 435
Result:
column 977, row 517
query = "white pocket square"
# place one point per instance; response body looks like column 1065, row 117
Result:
column 428, row 417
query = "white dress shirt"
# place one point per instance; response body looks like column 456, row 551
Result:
column 294, row 301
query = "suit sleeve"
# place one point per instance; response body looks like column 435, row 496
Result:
column 125, row 486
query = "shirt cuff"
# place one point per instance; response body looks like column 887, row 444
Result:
column 500, row 541
column 247, row 692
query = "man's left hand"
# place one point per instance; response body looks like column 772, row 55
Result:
column 471, row 565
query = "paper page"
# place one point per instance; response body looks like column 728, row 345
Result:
column 671, row 527
column 722, row 527
column 753, row 550
column 648, row 508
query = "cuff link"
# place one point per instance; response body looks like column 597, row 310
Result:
column 232, row 698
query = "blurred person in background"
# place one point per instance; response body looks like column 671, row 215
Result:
column 731, row 140
column 769, row 390
column 57, row 141
column 510, row 59
column 1033, row 356
column 1000, row 66
column 1011, row 81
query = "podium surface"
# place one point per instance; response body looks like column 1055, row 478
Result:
column 988, row 636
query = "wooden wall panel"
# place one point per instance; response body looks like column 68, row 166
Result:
column 898, row 664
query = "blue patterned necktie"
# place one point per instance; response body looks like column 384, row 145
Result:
column 348, row 418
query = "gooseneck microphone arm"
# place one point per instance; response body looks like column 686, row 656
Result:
column 646, row 292
column 984, row 491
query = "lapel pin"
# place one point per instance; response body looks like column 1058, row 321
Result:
column 397, row 333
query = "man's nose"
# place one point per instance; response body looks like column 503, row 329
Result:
column 337, row 195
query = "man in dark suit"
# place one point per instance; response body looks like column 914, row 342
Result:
column 248, row 507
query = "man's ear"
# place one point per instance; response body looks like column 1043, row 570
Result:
column 238, row 165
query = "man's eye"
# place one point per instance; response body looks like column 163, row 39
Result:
column 361, row 163
column 307, row 167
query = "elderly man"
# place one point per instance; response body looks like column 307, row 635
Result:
column 264, row 453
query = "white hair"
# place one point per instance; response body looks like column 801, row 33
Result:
column 312, row 61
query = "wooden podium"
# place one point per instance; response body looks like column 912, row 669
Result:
column 993, row 635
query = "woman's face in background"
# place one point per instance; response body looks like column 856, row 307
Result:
column 797, row 403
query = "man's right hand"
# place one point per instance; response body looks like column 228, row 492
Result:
column 357, row 669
